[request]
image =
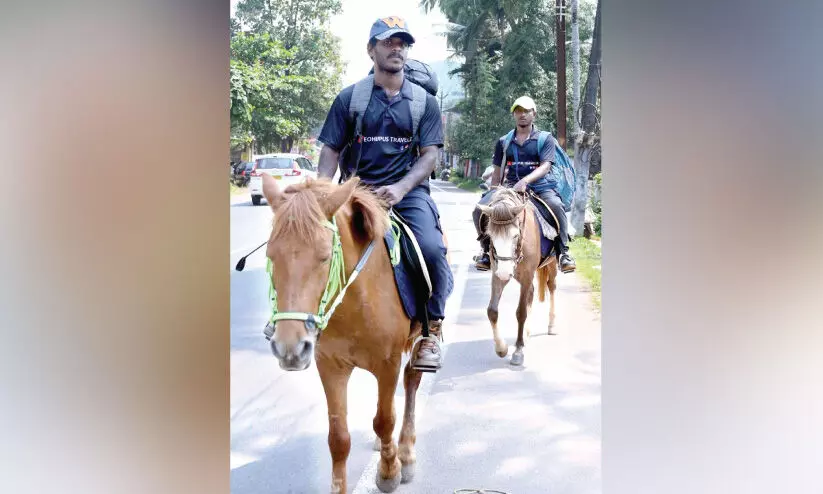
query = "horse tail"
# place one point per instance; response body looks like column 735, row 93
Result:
column 543, row 281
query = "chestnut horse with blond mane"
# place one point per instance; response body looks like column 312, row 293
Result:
column 515, row 250
column 313, row 223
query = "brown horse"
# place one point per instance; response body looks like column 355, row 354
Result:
column 369, row 328
column 515, row 249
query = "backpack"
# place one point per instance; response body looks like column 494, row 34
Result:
column 562, row 170
column 424, row 80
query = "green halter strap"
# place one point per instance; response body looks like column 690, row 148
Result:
column 337, row 284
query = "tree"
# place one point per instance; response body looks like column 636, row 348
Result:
column 508, row 49
column 589, row 138
column 308, row 69
column 262, row 92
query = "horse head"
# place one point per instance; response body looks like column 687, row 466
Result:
column 505, row 229
column 314, row 222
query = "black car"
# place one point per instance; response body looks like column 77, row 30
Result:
column 242, row 172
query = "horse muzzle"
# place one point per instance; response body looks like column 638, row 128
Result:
column 293, row 354
column 293, row 357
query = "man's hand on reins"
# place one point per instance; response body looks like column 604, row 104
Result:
column 391, row 194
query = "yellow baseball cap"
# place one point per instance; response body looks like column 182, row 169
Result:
column 524, row 102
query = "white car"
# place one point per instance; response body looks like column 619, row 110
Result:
column 287, row 168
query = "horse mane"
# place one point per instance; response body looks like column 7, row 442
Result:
column 301, row 212
column 504, row 206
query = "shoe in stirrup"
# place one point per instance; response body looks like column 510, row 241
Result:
column 428, row 357
column 482, row 262
column 567, row 264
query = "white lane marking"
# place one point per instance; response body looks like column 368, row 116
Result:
column 365, row 485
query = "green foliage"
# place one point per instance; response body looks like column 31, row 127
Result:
column 285, row 69
column 509, row 50
column 470, row 184
column 262, row 90
column 588, row 258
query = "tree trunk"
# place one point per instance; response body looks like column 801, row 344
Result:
column 286, row 144
column 590, row 132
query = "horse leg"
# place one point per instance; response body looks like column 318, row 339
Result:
column 335, row 383
column 388, row 473
column 523, row 306
column 411, row 380
column 500, row 346
column 552, row 282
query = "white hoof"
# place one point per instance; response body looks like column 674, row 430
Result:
column 407, row 473
column 387, row 485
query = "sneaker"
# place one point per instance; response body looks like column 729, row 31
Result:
column 428, row 356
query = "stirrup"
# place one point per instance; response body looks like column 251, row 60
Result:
column 567, row 269
column 415, row 348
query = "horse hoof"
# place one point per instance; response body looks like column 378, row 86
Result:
column 517, row 358
column 501, row 352
column 387, row 485
column 407, row 473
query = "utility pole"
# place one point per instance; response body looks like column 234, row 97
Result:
column 575, row 74
column 560, row 29
column 442, row 96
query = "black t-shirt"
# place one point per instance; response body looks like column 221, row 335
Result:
column 387, row 132
column 523, row 159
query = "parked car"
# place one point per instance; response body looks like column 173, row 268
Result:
column 286, row 168
column 242, row 172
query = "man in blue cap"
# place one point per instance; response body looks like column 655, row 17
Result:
column 390, row 130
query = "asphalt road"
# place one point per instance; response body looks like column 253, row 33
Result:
column 481, row 423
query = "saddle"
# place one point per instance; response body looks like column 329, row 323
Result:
column 548, row 227
column 411, row 275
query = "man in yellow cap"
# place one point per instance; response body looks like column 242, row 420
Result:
column 527, row 167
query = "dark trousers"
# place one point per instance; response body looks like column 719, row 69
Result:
column 422, row 216
column 551, row 199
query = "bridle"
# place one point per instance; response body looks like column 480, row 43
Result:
column 316, row 322
column 518, row 250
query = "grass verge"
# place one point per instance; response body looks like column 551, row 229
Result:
column 470, row 184
column 587, row 256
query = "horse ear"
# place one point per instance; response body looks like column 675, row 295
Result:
column 270, row 190
column 340, row 196
column 518, row 209
column 484, row 209
column 368, row 219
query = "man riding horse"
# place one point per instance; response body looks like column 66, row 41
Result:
column 526, row 168
column 394, row 152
